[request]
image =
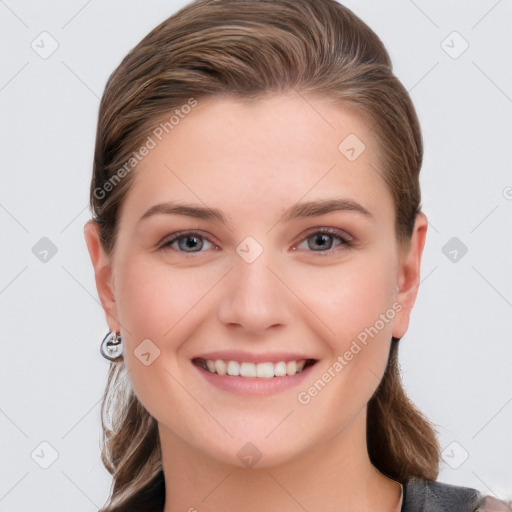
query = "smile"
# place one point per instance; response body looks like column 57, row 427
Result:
column 264, row 370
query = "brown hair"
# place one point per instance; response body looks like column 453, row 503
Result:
column 247, row 49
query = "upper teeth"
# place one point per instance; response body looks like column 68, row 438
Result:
column 262, row 370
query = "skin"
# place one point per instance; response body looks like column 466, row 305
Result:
column 251, row 162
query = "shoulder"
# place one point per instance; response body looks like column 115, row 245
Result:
column 432, row 496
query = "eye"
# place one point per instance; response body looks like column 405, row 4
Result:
column 186, row 240
column 322, row 239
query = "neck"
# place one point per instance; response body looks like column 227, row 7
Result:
column 336, row 475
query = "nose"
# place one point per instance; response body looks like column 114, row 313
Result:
column 255, row 297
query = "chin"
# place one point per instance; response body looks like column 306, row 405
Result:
column 255, row 452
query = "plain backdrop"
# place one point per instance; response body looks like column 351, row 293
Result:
column 456, row 359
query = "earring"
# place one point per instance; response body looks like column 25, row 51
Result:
column 112, row 347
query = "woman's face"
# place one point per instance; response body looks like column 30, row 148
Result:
column 262, row 285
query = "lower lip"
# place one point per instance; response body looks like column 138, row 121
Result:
column 254, row 386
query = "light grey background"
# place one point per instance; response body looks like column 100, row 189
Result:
column 457, row 355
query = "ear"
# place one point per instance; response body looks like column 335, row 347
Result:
column 408, row 277
column 102, row 273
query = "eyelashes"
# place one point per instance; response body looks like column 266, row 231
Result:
column 345, row 241
column 343, row 238
column 184, row 235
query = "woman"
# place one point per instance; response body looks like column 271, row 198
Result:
column 256, row 240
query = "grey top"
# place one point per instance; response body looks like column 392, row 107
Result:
column 418, row 496
column 430, row 496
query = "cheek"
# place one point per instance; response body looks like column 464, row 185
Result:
column 355, row 303
column 157, row 303
column 349, row 298
column 156, row 300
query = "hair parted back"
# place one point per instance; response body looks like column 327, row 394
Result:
column 248, row 49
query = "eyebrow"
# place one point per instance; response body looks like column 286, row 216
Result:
column 298, row 210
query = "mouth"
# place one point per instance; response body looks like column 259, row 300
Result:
column 263, row 370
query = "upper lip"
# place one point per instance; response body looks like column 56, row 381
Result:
column 274, row 357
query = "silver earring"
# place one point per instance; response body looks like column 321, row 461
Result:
column 112, row 347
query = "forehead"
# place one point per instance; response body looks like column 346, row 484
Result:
column 256, row 157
